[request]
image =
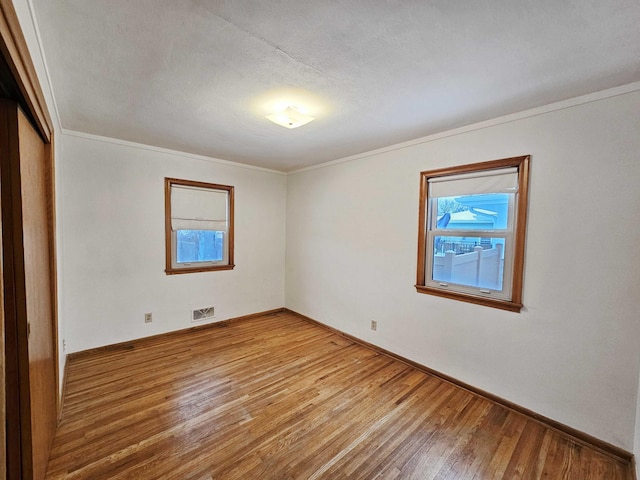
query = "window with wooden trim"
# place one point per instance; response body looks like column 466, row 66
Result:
column 472, row 226
column 198, row 226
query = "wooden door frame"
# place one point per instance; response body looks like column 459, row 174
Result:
column 15, row 51
column 14, row 302
column 3, row 413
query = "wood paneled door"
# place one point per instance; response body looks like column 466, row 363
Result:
column 28, row 291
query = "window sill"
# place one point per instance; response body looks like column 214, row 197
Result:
column 178, row 271
column 487, row 302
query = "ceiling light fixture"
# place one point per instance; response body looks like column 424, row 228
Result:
column 290, row 117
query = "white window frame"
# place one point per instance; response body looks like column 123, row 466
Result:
column 508, row 235
column 172, row 266
column 510, row 297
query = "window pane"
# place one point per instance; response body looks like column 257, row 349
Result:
column 471, row 261
column 488, row 211
column 199, row 246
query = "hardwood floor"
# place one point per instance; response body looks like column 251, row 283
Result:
column 277, row 397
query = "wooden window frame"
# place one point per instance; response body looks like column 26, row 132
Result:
column 519, row 235
column 170, row 269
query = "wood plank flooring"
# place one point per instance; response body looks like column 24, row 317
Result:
column 276, row 397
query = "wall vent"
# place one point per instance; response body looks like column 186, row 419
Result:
column 199, row 314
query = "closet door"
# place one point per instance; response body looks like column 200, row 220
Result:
column 27, row 209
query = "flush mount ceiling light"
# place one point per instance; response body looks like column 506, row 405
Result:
column 290, row 117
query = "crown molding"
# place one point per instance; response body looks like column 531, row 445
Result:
column 142, row 146
column 513, row 117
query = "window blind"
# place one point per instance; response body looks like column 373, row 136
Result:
column 504, row 180
column 195, row 208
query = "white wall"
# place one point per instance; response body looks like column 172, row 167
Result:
column 572, row 354
column 114, row 250
column 351, row 241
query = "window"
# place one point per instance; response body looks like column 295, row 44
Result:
column 472, row 228
column 198, row 226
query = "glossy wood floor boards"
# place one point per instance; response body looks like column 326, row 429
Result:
column 279, row 398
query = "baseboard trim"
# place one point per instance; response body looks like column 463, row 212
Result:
column 139, row 342
column 576, row 435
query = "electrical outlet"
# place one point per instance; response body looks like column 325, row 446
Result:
column 64, row 345
column 147, row 318
column 374, row 325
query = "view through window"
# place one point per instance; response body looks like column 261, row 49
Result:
column 472, row 223
column 199, row 246
column 198, row 226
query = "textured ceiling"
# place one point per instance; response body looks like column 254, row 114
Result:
column 199, row 76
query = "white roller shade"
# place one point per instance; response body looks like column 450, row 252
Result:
column 195, row 208
column 504, row 180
